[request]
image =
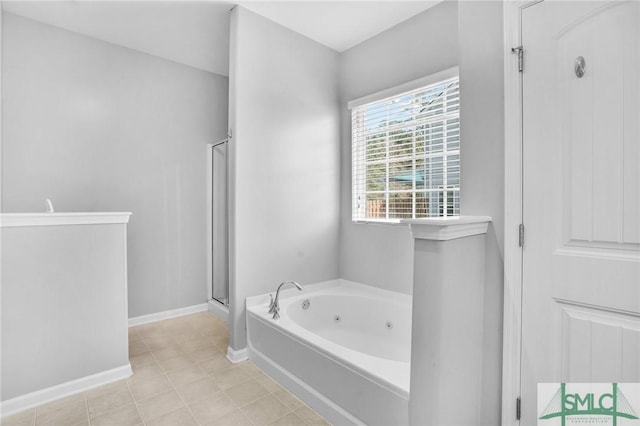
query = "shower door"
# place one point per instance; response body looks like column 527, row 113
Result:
column 219, row 224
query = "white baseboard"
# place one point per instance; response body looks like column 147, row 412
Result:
column 237, row 356
column 326, row 408
column 159, row 316
column 43, row 396
column 219, row 310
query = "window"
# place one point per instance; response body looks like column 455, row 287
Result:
column 406, row 153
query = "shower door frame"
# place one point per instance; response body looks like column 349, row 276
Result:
column 209, row 188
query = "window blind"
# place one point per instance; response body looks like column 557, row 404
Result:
column 406, row 154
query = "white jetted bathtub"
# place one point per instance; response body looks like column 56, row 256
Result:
column 342, row 347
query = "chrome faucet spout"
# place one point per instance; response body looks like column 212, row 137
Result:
column 274, row 308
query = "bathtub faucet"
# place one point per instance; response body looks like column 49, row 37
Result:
column 274, row 308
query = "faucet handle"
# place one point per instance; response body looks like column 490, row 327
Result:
column 272, row 304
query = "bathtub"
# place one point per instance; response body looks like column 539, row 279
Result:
column 343, row 348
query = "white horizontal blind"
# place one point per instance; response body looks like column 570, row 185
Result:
column 406, row 154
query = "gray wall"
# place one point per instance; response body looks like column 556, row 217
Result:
column 64, row 305
column 447, row 338
column 482, row 171
column 381, row 254
column 98, row 127
column 285, row 165
column 468, row 34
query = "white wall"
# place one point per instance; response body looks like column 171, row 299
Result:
column 482, row 172
column 284, row 161
column 381, row 254
column 98, row 127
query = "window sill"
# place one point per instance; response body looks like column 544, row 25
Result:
column 447, row 228
column 397, row 222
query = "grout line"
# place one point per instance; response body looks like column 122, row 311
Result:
column 164, row 373
column 272, row 393
column 135, row 402
column 238, row 407
column 211, row 336
column 206, row 375
column 86, row 407
column 175, row 389
column 183, row 401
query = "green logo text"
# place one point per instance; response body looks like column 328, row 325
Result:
column 564, row 404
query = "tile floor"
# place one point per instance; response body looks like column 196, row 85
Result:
column 181, row 377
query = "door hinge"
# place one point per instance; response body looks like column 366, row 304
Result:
column 521, row 235
column 520, row 52
column 518, row 408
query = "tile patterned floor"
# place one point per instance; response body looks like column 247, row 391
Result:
column 181, row 377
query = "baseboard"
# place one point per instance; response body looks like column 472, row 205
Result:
column 326, row 408
column 43, row 396
column 219, row 310
column 159, row 316
column 237, row 356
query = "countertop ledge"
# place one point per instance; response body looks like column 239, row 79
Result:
column 8, row 220
column 447, row 228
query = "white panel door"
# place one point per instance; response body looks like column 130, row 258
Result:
column 581, row 195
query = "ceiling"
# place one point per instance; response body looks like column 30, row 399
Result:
column 191, row 33
column 196, row 33
column 339, row 25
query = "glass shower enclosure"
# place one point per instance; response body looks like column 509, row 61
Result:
column 219, row 247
